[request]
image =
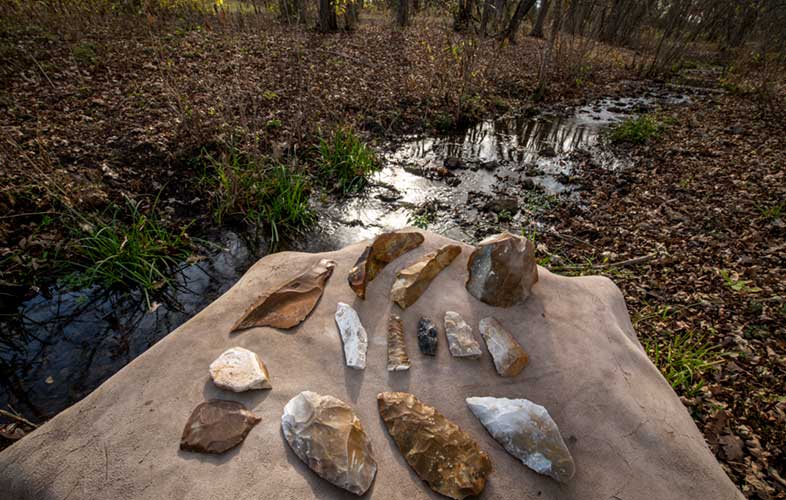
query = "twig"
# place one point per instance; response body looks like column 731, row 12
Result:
column 42, row 71
column 572, row 238
column 27, row 214
column 622, row 263
column 17, row 418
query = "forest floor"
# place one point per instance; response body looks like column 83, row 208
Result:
column 702, row 207
column 92, row 119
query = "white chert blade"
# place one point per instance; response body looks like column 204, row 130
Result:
column 239, row 370
column 461, row 342
column 527, row 432
column 353, row 335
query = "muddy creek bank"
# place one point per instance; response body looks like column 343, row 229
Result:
column 500, row 174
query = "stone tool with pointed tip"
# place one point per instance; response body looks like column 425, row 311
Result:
column 216, row 426
column 290, row 304
column 442, row 454
column 325, row 433
column 527, row 432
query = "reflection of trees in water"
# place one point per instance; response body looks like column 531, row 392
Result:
column 509, row 140
column 82, row 338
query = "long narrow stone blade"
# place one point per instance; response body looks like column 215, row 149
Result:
column 398, row 359
column 412, row 281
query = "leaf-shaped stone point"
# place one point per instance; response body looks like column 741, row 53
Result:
column 385, row 249
column 527, row 432
column 441, row 454
column 412, row 281
column 216, row 426
column 325, row 433
column 290, row 304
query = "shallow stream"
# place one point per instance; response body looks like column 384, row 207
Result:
column 61, row 346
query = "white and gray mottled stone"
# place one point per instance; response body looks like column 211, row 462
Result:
column 326, row 434
column 240, row 370
column 353, row 335
column 527, row 432
column 461, row 342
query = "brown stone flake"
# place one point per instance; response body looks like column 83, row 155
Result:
column 291, row 304
column 508, row 355
column 412, row 281
column 442, row 454
column 385, row 249
column 502, row 270
column 217, row 425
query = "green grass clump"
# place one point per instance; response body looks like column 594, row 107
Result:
column 269, row 195
column 85, row 53
column 682, row 359
column 637, row 130
column 125, row 255
column 344, row 162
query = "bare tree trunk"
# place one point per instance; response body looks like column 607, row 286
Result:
column 327, row 16
column 488, row 12
column 537, row 30
column 351, row 14
column 403, row 13
column 515, row 22
column 463, row 18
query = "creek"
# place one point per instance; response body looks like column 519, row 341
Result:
column 497, row 175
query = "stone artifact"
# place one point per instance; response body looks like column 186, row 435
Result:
column 216, row 426
column 353, row 336
column 325, row 433
column 509, row 357
column 398, row 360
column 461, row 342
column 290, row 304
column 386, row 248
column 427, row 337
column 443, row 455
column 527, row 432
column 412, row 281
column 239, row 370
column 502, row 270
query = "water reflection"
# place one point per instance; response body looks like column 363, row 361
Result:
column 57, row 349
